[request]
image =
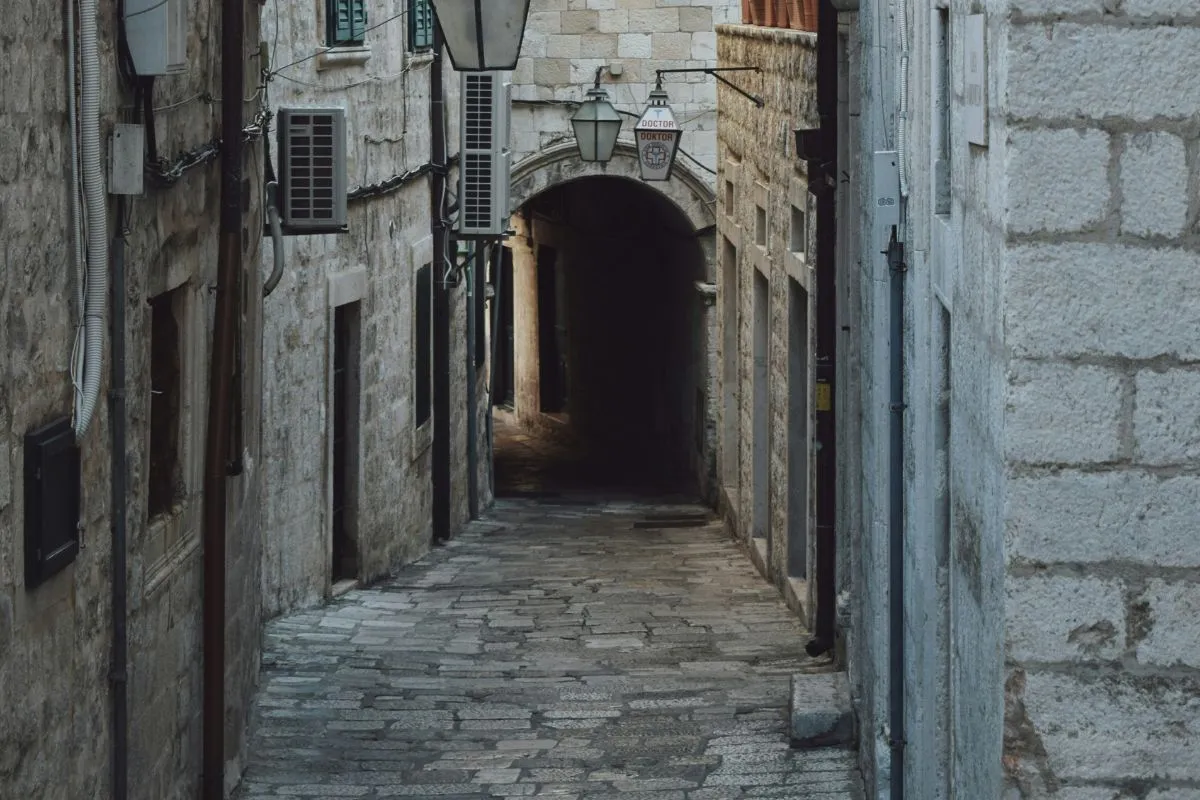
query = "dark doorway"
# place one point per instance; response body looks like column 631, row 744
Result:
column 799, row 465
column 552, row 384
column 760, row 478
column 345, row 441
column 620, row 344
column 502, row 288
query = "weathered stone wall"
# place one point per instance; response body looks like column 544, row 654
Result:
column 1102, row 645
column 384, row 87
column 759, row 170
column 1048, row 344
column 55, row 640
column 567, row 40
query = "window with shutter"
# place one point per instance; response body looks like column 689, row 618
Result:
column 346, row 22
column 420, row 25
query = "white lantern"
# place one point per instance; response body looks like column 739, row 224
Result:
column 657, row 135
column 597, row 125
column 482, row 34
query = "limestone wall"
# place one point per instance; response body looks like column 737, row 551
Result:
column 55, row 640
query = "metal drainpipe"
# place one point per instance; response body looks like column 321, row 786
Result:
column 472, row 399
column 896, row 267
column 441, row 298
column 498, row 285
column 120, row 476
column 826, row 332
column 216, row 456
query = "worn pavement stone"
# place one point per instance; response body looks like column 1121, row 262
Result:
column 552, row 650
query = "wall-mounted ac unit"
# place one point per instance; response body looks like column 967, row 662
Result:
column 486, row 158
column 157, row 34
column 312, row 170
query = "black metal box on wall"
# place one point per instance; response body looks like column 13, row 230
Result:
column 51, row 501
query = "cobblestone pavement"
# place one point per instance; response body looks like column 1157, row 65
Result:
column 581, row 652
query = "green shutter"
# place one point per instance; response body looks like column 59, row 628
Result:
column 420, row 25
column 347, row 21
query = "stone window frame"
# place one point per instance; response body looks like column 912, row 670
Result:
column 170, row 539
column 333, row 56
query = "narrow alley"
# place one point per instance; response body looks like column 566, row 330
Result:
column 568, row 648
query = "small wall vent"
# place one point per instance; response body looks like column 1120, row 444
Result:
column 486, row 167
column 312, row 170
column 157, row 34
column 52, row 492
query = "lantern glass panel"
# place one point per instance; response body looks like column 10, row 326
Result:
column 482, row 34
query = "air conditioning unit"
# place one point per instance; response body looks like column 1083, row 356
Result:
column 486, row 156
column 312, row 170
column 157, row 31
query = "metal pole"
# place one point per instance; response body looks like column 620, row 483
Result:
column 120, row 476
column 441, row 298
column 216, row 455
column 826, row 332
column 895, row 255
column 472, row 384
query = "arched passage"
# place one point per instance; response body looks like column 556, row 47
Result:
column 609, row 325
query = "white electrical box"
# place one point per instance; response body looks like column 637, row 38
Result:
column 485, row 170
column 156, row 31
column 975, row 79
column 885, row 186
column 312, row 170
column 125, row 167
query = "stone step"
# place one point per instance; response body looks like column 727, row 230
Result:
column 820, row 714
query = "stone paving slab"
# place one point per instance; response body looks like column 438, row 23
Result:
column 550, row 651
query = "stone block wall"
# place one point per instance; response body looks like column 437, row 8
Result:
column 1101, row 272
column 384, row 86
column 56, row 639
column 567, row 40
column 759, row 171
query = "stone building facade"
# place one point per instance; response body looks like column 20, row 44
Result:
column 1051, row 573
column 765, row 295
column 359, row 293
column 56, row 638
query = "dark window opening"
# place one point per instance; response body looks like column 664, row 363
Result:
column 164, row 476
column 424, row 344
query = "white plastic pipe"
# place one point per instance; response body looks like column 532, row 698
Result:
column 97, row 223
column 76, row 211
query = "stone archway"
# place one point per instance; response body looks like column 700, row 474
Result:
column 559, row 164
column 632, row 263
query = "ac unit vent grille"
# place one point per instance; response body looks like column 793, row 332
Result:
column 478, row 111
column 478, row 196
column 312, row 146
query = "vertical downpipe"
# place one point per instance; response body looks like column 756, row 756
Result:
column 120, row 474
column 826, row 332
column 216, row 455
column 896, row 267
column 497, row 292
column 441, row 297
column 472, row 398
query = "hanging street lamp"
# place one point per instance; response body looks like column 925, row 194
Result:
column 482, row 34
column 597, row 125
column 657, row 133
column 657, row 136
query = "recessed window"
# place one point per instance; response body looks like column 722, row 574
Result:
column 728, row 197
column 420, row 25
column 799, row 237
column 423, row 351
column 760, row 226
column 345, row 22
column 165, row 474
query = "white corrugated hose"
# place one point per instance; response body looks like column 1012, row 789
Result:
column 96, row 286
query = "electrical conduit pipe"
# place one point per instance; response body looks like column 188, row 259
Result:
column 97, row 222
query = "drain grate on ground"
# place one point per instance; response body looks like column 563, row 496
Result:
column 694, row 519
